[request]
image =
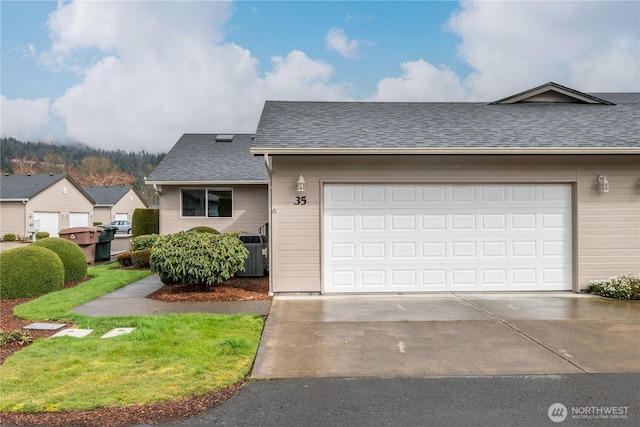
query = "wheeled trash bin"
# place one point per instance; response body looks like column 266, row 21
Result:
column 85, row 237
column 103, row 247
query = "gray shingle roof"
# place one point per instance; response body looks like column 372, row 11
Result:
column 199, row 158
column 22, row 187
column 400, row 125
column 107, row 195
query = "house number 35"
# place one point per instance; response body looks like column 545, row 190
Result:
column 300, row 200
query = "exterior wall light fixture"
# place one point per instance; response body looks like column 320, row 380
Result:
column 604, row 184
column 300, row 183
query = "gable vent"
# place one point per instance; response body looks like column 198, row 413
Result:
column 224, row 138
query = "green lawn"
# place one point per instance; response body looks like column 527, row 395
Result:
column 166, row 357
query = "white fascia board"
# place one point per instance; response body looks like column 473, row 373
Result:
column 14, row 200
column 441, row 151
column 257, row 182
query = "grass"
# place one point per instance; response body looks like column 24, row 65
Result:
column 56, row 305
column 166, row 357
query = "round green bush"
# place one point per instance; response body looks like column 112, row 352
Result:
column 197, row 258
column 72, row 256
column 204, row 229
column 9, row 237
column 42, row 235
column 30, row 271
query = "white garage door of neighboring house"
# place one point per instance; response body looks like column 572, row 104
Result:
column 403, row 238
column 121, row 217
column 78, row 219
column 48, row 222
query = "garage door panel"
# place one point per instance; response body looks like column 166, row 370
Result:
column 447, row 237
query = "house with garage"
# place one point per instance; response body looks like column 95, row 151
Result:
column 48, row 202
column 537, row 191
column 211, row 180
column 114, row 202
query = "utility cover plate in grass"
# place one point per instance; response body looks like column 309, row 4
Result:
column 117, row 331
column 45, row 326
column 76, row 333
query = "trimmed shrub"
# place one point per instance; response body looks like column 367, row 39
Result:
column 624, row 286
column 145, row 221
column 9, row 237
column 140, row 259
column 145, row 241
column 30, row 271
column 204, row 229
column 197, row 258
column 97, row 223
column 124, row 259
column 42, row 235
column 71, row 255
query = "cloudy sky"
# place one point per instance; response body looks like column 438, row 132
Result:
column 136, row 75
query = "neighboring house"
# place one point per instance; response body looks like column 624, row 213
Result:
column 49, row 203
column 114, row 202
column 538, row 191
column 211, row 180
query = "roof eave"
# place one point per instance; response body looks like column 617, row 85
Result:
column 247, row 182
column 14, row 200
column 441, row 151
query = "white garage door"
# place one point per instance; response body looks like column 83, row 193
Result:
column 78, row 219
column 403, row 238
column 48, row 222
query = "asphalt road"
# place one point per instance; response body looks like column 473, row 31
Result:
column 589, row 399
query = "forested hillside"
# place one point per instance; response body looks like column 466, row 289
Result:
column 88, row 166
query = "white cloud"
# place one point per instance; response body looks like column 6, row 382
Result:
column 421, row 81
column 513, row 46
column 24, row 119
column 155, row 78
column 296, row 77
column 516, row 45
column 338, row 41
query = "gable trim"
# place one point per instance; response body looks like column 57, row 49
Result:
column 552, row 87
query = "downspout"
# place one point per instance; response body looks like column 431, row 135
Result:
column 267, row 165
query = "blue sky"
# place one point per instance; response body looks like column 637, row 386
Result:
column 135, row 75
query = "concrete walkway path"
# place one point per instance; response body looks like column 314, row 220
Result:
column 448, row 335
column 130, row 300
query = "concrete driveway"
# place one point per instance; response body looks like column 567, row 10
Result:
column 448, row 335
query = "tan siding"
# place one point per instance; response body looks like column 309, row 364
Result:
column 102, row 214
column 55, row 199
column 607, row 221
column 13, row 219
column 250, row 210
column 127, row 204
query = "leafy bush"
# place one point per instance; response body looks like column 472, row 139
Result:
column 124, row 259
column 145, row 241
column 140, row 259
column 624, row 286
column 9, row 237
column 96, row 223
column 42, row 235
column 16, row 335
column 204, row 229
column 72, row 257
column 197, row 258
column 30, row 271
column 145, row 221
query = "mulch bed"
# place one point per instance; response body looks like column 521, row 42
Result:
column 235, row 289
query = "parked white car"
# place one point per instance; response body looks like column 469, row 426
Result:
column 122, row 226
